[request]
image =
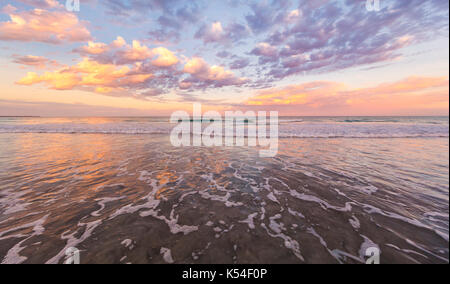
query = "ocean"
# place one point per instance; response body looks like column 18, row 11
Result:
column 119, row 192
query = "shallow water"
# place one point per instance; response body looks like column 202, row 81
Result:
column 125, row 198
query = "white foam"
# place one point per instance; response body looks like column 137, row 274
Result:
column 355, row 223
column 408, row 251
column 102, row 202
column 273, row 198
column 374, row 210
column 167, row 255
column 249, row 221
column 287, row 130
column 325, row 205
column 367, row 243
column 295, row 213
column 128, row 244
column 73, row 241
column 13, row 255
column 289, row 243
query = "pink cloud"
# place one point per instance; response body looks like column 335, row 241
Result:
column 217, row 33
column 411, row 95
column 41, row 3
column 93, row 48
column 34, row 61
column 202, row 72
column 39, row 25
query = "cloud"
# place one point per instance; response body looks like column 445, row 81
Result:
column 92, row 76
column 165, row 57
column 93, row 48
column 42, row 4
column 265, row 49
column 129, row 7
column 266, row 14
column 266, row 53
column 216, row 33
column 286, row 38
column 39, row 25
column 134, row 53
column 8, row 9
column 293, row 16
column 34, row 61
column 203, row 75
column 213, row 33
column 325, row 36
column 136, row 70
column 119, row 42
column 297, row 94
column 223, row 54
column 172, row 16
column 18, row 108
column 317, row 98
column 119, row 52
column 240, row 63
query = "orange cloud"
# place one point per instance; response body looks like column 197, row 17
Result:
column 166, row 58
column 132, row 70
column 89, row 75
column 93, row 48
column 297, row 94
column 44, row 26
column 136, row 52
column 119, row 51
column 119, row 42
column 407, row 85
column 331, row 98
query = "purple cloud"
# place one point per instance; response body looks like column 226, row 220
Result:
column 217, row 33
column 265, row 15
column 331, row 35
column 240, row 63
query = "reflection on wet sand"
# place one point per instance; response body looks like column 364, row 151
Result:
column 137, row 199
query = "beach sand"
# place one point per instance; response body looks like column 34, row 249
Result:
column 137, row 199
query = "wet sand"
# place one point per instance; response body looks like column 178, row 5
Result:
column 137, row 199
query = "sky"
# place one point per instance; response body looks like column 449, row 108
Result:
column 154, row 57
